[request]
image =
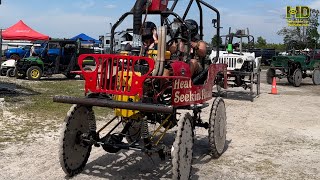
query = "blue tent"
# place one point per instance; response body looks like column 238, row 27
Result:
column 85, row 38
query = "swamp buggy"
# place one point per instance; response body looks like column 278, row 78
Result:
column 134, row 87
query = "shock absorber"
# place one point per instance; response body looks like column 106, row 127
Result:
column 145, row 132
column 92, row 125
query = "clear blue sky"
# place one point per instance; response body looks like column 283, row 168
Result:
column 65, row 18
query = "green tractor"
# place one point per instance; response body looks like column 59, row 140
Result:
column 295, row 66
column 60, row 57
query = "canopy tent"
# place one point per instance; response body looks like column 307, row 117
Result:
column 85, row 38
column 20, row 31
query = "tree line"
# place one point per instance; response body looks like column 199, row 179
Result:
column 304, row 37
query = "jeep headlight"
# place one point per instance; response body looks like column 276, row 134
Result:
column 239, row 61
column 250, row 58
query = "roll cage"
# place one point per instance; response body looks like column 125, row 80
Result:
column 170, row 11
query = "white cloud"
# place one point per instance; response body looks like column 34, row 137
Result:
column 86, row 4
column 110, row 6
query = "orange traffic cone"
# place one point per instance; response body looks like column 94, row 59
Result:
column 274, row 86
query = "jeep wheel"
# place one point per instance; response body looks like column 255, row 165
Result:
column 316, row 76
column 297, row 77
column 15, row 57
column 34, row 73
column 270, row 74
column 10, row 72
column 18, row 75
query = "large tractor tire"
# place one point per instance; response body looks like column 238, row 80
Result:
column 217, row 128
column 73, row 153
column 270, row 74
column 316, row 76
column 297, row 77
column 34, row 73
column 182, row 149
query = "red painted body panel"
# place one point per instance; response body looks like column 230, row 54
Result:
column 105, row 78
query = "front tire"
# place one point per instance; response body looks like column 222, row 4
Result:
column 297, row 77
column 34, row 73
column 217, row 128
column 316, row 76
column 10, row 72
column 73, row 153
column 182, row 149
column 3, row 72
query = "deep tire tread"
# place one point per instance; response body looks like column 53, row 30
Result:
column 71, row 172
column 214, row 108
column 176, row 174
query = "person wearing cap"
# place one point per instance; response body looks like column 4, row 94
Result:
column 198, row 47
column 149, row 35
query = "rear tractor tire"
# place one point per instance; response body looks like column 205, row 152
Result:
column 34, row 73
column 182, row 149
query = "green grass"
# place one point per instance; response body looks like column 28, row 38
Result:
column 38, row 111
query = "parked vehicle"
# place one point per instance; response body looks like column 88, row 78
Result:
column 59, row 57
column 243, row 66
column 265, row 54
column 294, row 68
column 21, row 52
column 7, row 68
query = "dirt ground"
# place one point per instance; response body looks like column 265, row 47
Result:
column 274, row 137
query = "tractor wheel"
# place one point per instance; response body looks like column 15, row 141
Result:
column 10, row 72
column 297, row 77
column 73, row 152
column 182, row 149
column 3, row 72
column 15, row 57
column 34, row 73
column 270, row 74
column 217, row 128
column 18, row 75
column 316, row 76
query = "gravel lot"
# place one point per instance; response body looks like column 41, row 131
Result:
column 274, row 137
